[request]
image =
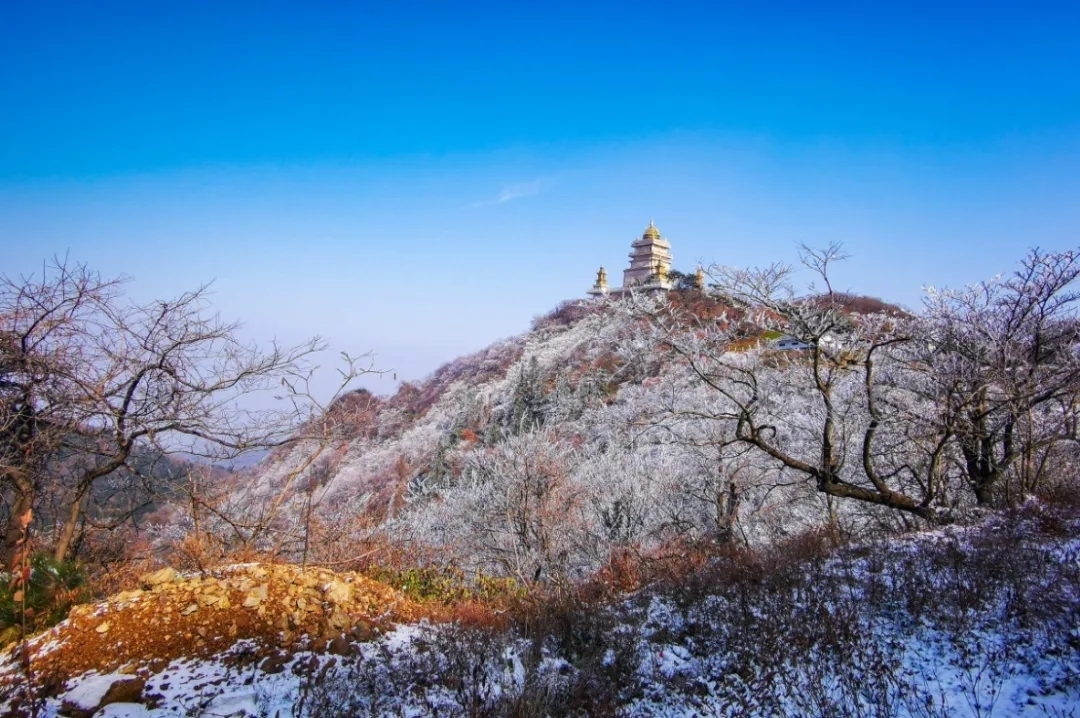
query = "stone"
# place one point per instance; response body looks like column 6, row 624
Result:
column 126, row 690
column 122, row 690
column 274, row 663
column 255, row 596
column 208, row 599
column 363, row 631
column 83, row 609
column 339, row 620
column 159, row 577
column 340, row 646
column 338, row 592
column 74, row 710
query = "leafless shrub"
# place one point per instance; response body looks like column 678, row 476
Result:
column 95, row 388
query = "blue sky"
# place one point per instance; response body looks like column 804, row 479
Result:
column 420, row 179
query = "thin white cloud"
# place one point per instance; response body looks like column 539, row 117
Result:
column 515, row 191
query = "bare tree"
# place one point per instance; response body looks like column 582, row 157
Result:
column 907, row 411
column 40, row 324
column 836, row 440
column 258, row 510
column 1001, row 363
column 90, row 381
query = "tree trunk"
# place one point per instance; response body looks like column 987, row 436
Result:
column 17, row 535
column 67, row 533
column 982, row 471
column 984, row 494
column 727, row 512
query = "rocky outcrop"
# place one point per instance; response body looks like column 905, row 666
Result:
column 175, row 615
column 119, row 689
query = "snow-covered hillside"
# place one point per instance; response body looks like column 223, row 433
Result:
column 978, row 621
column 630, row 424
column 573, row 419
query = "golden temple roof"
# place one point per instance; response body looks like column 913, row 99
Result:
column 651, row 232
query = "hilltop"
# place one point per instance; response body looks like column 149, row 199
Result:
column 584, row 396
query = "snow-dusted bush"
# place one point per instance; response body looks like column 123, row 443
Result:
column 967, row 622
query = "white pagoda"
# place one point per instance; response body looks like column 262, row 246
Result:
column 650, row 263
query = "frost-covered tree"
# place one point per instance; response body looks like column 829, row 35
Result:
column 1000, row 365
column 822, row 413
column 908, row 412
column 530, row 401
column 517, row 509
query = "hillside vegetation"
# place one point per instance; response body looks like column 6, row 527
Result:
column 751, row 499
column 630, row 426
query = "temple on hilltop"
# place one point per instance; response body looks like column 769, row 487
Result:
column 650, row 264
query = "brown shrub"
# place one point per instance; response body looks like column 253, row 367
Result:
column 565, row 314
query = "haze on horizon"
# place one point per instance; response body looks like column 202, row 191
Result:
column 420, row 179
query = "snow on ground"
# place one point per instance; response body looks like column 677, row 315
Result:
column 89, row 691
column 844, row 635
column 975, row 661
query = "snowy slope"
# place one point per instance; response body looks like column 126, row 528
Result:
column 959, row 622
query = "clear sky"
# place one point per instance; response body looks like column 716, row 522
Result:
column 420, row 179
